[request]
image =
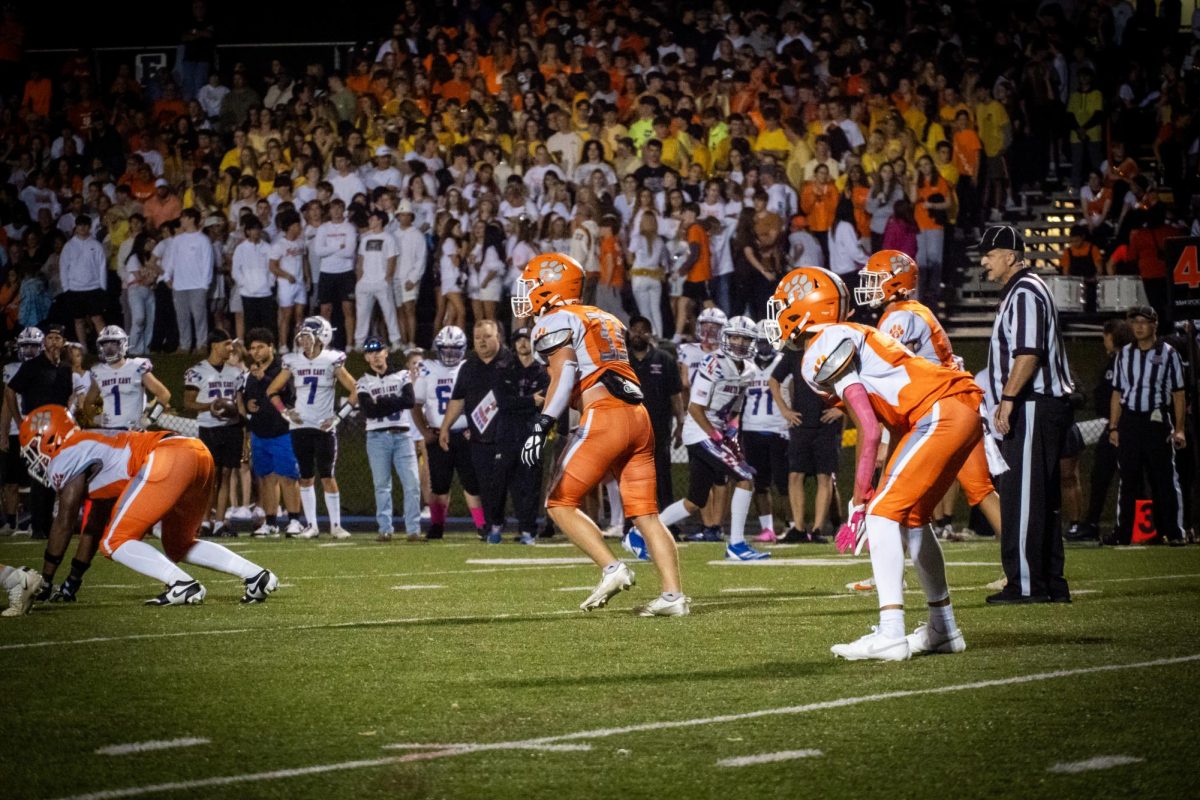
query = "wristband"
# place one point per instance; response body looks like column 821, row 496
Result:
column 1011, row 398
column 346, row 410
column 277, row 403
column 156, row 411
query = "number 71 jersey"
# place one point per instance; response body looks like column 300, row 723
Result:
column 597, row 337
column 759, row 414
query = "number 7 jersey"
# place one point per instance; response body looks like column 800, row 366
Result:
column 597, row 337
column 315, row 380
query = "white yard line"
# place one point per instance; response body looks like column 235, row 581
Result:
column 412, row 587
column 145, row 747
column 745, row 590
column 574, row 588
column 768, row 758
column 1092, row 764
column 504, row 562
column 602, row 733
column 549, row 748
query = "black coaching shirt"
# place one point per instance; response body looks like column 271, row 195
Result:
column 478, row 386
column 804, row 401
column 38, row 382
column 658, row 374
column 1146, row 379
column 1027, row 324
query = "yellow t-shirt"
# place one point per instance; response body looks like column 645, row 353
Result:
column 992, row 119
column 772, row 140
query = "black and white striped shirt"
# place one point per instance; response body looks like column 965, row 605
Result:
column 1146, row 379
column 1027, row 324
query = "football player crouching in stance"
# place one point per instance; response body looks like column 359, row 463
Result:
column 155, row 477
column 932, row 415
column 584, row 349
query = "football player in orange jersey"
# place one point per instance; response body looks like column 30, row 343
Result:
column 932, row 414
column 155, row 477
column 890, row 280
column 584, row 348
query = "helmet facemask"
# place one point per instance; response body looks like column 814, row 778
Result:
column 522, row 304
column 869, row 291
column 112, row 350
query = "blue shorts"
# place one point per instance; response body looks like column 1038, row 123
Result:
column 273, row 456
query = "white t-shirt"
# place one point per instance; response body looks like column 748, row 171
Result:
column 290, row 255
column 375, row 249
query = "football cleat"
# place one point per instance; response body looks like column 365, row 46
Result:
column 767, row 536
column 495, row 537
column 611, row 584
column 662, row 607
column 338, row 532
column 744, row 552
column 67, row 592
column 43, row 594
column 180, row 593
column 874, row 646
column 712, row 534
column 311, row 532
column 527, row 538
column 22, row 586
column 865, row 585
column 259, row 586
column 613, row 532
column 927, row 640
column 635, row 545
column 270, row 531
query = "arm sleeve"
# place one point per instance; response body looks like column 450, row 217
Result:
column 855, row 396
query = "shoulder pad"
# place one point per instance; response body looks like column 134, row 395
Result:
column 550, row 341
column 844, row 357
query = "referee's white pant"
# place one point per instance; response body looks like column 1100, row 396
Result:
column 366, row 296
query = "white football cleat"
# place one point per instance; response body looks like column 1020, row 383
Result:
column 614, row 532
column 338, row 532
column 927, row 640
column 311, row 532
column 997, row 584
column 874, row 646
column 22, row 585
column 609, row 587
column 661, row 607
column 294, row 528
column 180, row 593
column 266, row 530
column 865, row 585
column 259, row 586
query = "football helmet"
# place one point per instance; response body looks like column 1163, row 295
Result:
column 886, row 274
column 29, row 343
column 737, row 338
column 112, row 343
column 709, row 324
column 312, row 331
column 548, row 280
column 763, row 349
column 805, row 297
column 450, row 345
column 42, row 434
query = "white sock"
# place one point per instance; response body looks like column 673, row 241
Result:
column 333, row 507
column 739, row 509
column 887, row 559
column 616, row 510
column 141, row 557
column 6, row 574
column 891, row 623
column 222, row 559
column 308, row 500
column 941, row 618
column 674, row 513
column 766, row 522
column 928, row 563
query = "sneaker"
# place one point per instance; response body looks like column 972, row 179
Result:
column 634, row 544
column 527, row 538
column 294, row 528
column 259, row 586
column 241, row 513
column 1082, row 532
column 743, row 552
column 865, row 585
column 66, row 593
column 338, row 532
column 662, row 607
column 311, row 532
column 413, row 537
column 812, row 537
column 426, row 514
column 874, row 646
column 271, row 531
column 22, row 585
column 180, row 593
column 766, row 536
column 495, row 537
column 383, row 537
column 926, row 640
column 706, row 535
column 795, row 535
column 436, row 531
column 611, row 584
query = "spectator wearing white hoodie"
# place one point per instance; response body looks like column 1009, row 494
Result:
column 252, row 274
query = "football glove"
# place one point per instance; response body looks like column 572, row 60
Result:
column 853, row 534
column 531, row 452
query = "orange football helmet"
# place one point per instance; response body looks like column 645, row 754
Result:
column 886, row 274
column 42, row 434
column 548, row 280
column 805, row 297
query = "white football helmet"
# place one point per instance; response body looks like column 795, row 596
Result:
column 738, row 336
column 764, row 350
column 312, row 331
column 450, row 345
column 112, row 343
column 29, row 343
column 709, row 324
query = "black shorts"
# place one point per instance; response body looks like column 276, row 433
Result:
column 815, row 451
column 81, row 305
column 226, row 443
column 336, row 287
column 767, row 453
column 315, row 447
column 16, row 471
column 444, row 463
column 711, row 464
column 696, row 290
column 1074, row 444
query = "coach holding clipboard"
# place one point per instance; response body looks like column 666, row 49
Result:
column 1028, row 385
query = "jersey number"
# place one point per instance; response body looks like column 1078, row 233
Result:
column 613, row 340
column 1187, row 270
column 759, row 394
column 443, row 398
column 116, row 393
column 311, row 383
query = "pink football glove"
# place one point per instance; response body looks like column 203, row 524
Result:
column 853, row 534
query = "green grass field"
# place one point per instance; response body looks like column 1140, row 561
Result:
column 502, row 689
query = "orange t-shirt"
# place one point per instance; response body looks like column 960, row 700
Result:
column 924, row 221
column 454, row 90
column 966, row 152
column 862, row 220
column 819, row 205
column 612, row 266
column 37, row 96
column 702, row 269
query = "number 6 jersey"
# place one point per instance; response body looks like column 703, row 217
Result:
column 432, row 389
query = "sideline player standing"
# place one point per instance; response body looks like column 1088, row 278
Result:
column 121, row 383
column 932, row 414
column 709, row 324
column 209, row 388
column 584, row 348
column 315, row 370
column 764, row 433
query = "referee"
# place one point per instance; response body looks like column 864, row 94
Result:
column 1028, row 384
column 1146, row 425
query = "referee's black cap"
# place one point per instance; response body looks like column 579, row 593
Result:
column 1002, row 237
column 1142, row 311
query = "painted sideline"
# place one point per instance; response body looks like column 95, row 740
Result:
column 768, row 758
column 146, row 747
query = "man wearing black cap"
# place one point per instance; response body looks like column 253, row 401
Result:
column 42, row 380
column 1146, row 425
column 662, row 389
column 1026, row 385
